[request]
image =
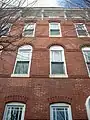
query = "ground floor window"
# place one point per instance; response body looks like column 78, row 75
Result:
column 60, row 111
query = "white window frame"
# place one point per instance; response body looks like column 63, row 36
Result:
column 60, row 35
column 60, row 105
column 88, row 107
column 33, row 30
column 17, row 104
column 86, row 49
column 84, row 29
column 55, row 47
column 29, row 66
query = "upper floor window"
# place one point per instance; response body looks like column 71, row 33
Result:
column 88, row 107
column 5, row 29
column 54, row 29
column 29, row 30
column 1, row 47
column 57, row 62
column 60, row 111
column 86, row 54
column 81, row 30
column 14, row 111
column 23, row 61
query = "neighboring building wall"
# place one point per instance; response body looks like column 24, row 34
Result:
column 39, row 90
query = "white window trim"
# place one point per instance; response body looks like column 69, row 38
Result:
column 59, row 29
column 61, row 104
column 86, row 49
column 30, row 60
column 33, row 35
column 58, row 75
column 15, row 103
column 87, row 107
column 84, row 29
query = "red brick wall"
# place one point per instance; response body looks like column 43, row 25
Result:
column 39, row 91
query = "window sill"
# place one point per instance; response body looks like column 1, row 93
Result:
column 54, row 36
column 82, row 36
column 58, row 76
column 19, row 75
column 28, row 36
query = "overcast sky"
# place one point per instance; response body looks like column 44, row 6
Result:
column 58, row 3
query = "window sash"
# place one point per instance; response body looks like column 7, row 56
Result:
column 82, row 33
column 88, row 65
column 24, row 55
column 60, row 113
column 13, row 112
column 87, row 55
column 21, row 67
column 80, row 27
column 54, row 32
column 54, row 26
column 28, row 32
column 56, row 56
column 57, row 68
column 29, row 26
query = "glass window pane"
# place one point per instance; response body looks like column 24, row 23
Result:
column 80, row 27
column 28, row 32
column 21, row 67
column 87, row 55
column 57, row 68
column 60, row 115
column 55, row 32
column 88, row 64
column 82, row 32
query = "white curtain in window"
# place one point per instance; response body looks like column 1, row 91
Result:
column 54, row 26
column 56, row 56
column 24, row 55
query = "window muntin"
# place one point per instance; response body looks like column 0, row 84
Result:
column 29, row 30
column 23, row 61
column 60, row 111
column 86, row 54
column 14, row 111
column 81, row 30
column 57, row 62
column 54, row 29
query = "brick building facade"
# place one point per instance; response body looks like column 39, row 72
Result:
column 41, row 94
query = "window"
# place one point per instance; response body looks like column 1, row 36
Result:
column 1, row 47
column 57, row 62
column 88, row 107
column 54, row 29
column 5, row 29
column 60, row 111
column 29, row 30
column 81, row 30
column 86, row 54
column 14, row 111
column 23, row 61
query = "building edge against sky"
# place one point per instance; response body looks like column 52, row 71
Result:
column 45, row 74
